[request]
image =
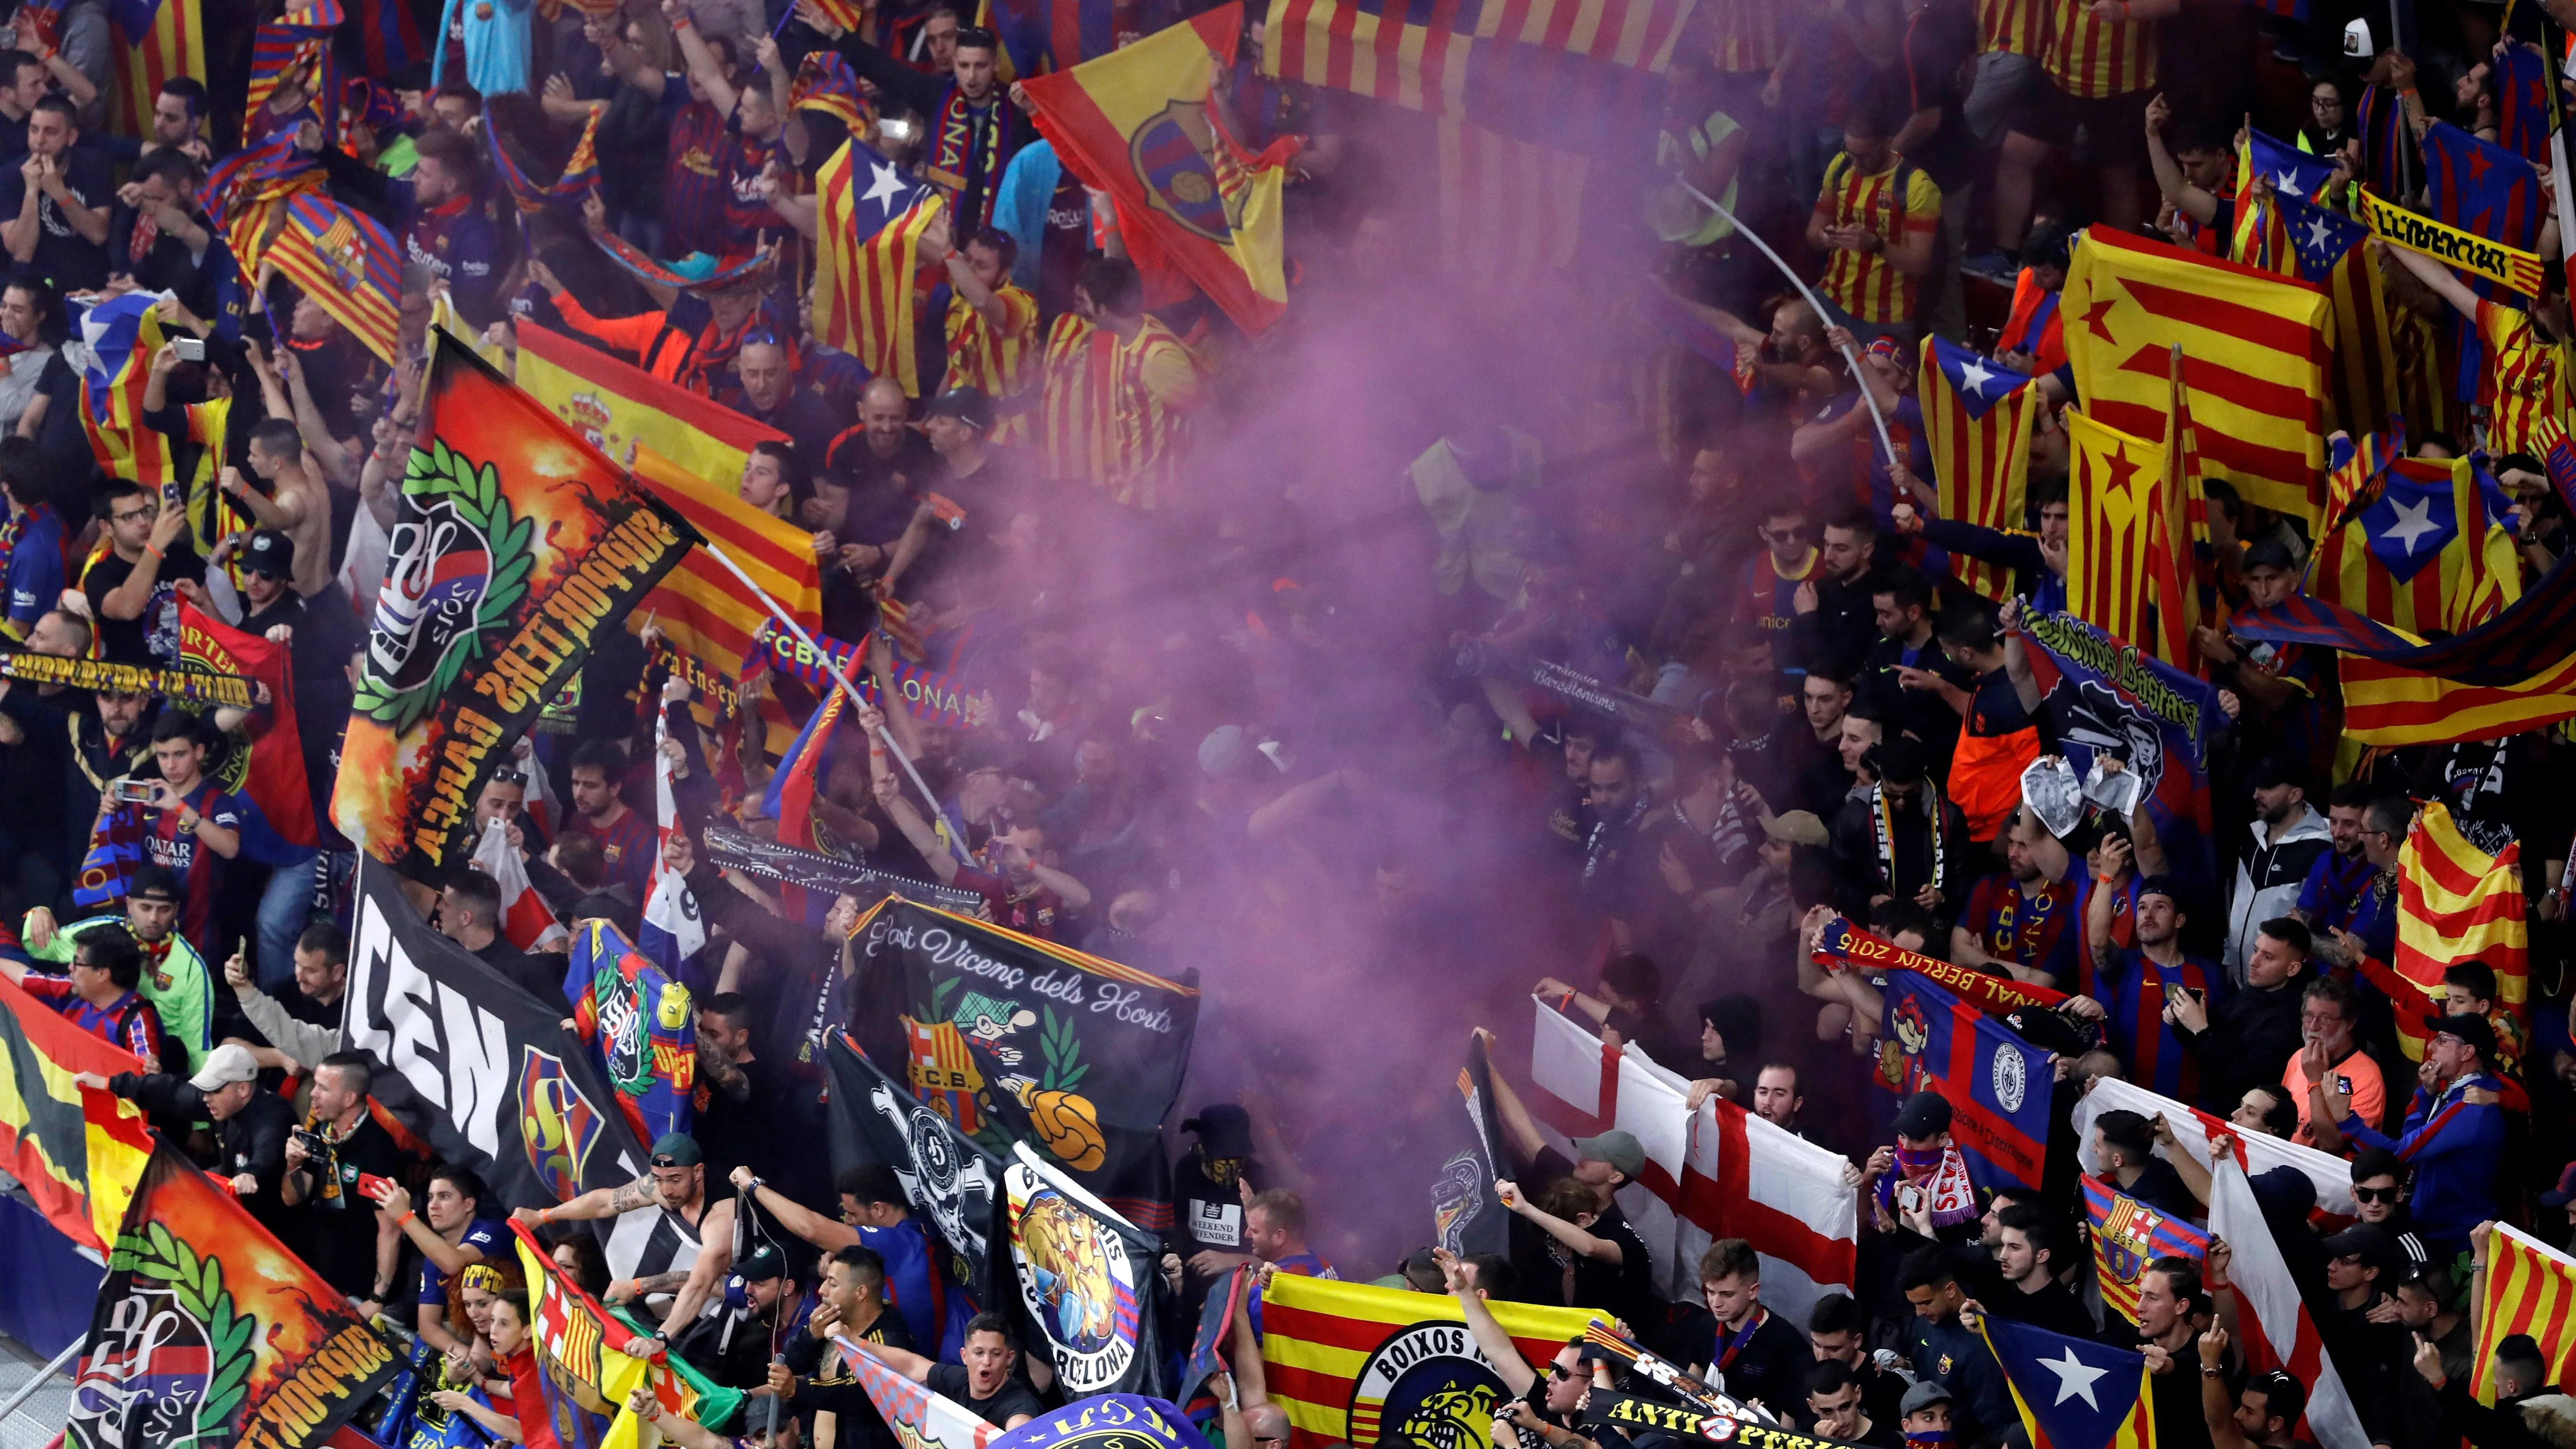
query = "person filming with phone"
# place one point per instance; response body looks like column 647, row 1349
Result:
column 344, row 1235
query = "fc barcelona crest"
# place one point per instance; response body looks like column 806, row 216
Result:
column 1188, row 172
column 557, row 1123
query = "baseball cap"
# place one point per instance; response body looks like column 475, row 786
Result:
column 1224, row 753
column 1225, row 1130
column 761, row 1264
column 1620, row 1149
column 968, row 405
column 155, row 883
column 1925, row 1114
column 225, row 1065
column 677, row 1149
column 269, row 551
column 1924, row 1394
column 1798, row 827
column 2269, row 552
column 2477, row 1031
column 2369, row 1242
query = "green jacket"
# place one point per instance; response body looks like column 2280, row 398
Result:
column 182, row 990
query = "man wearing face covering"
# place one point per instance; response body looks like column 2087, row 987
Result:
column 1210, row 1185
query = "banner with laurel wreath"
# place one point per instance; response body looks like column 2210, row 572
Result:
column 209, row 1333
column 517, row 547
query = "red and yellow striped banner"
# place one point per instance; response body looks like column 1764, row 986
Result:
column 700, row 605
column 2531, row 1288
column 1334, row 1354
column 2389, row 704
column 2457, row 903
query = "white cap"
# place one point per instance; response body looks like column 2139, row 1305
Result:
column 225, row 1065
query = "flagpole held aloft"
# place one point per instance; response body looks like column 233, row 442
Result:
column 1850, row 357
column 956, row 837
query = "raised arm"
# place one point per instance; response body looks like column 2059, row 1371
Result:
column 2176, row 188
column 1573, row 1236
column 1499, row 1350
column 1517, row 1124
column 2438, row 280
column 701, row 61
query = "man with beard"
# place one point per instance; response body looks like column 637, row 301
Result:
column 2330, row 897
column 2288, row 837
column 2018, row 922
column 1898, row 839
column 1835, row 623
column 2135, row 987
column 2238, row 1040
column 175, row 979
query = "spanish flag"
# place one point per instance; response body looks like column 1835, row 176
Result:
column 2456, row 903
column 700, row 605
column 623, row 409
column 1978, row 417
column 2530, row 1288
column 2417, row 552
column 79, row 1152
column 1140, row 124
column 1351, row 1364
column 2115, row 502
column 2256, row 349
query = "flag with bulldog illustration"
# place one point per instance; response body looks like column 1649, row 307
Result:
column 1012, row 1039
column 518, row 545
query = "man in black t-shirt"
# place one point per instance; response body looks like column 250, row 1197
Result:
column 132, row 587
column 1211, row 1185
column 1612, row 1269
column 56, row 201
column 1747, row 1350
column 985, row 1384
column 339, row 1143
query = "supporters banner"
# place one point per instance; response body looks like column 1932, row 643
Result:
column 209, row 1332
column 1581, row 690
column 2274, row 1328
column 2117, row 1408
column 1842, row 946
column 920, row 1418
column 1090, row 1282
column 2331, row 1175
column 739, row 850
column 2456, row 903
column 2255, row 348
column 1719, row 1173
column 1352, row 1364
column 271, row 771
column 1015, row 1039
column 1140, row 124
column 1466, row 1218
column 2105, row 698
column 182, row 686
column 953, row 1183
column 472, row 1064
column 1997, row 1084
column 1631, row 1417
column 517, row 544
column 640, row 1025
column 701, row 607
column 2127, row 1236
column 1978, row 419
column 585, row 1377
column 77, row 1151
column 2479, row 256
column 2530, row 1288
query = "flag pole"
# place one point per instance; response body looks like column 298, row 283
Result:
column 1849, row 356
column 956, row 837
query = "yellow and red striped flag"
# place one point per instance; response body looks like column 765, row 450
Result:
column 1510, row 210
column 2115, row 503
column 2456, row 903
column 2185, row 579
column 2389, row 704
column 123, row 333
column 1334, row 1352
column 700, row 605
column 155, row 40
column 1978, row 417
column 2530, row 1288
column 867, row 246
column 622, row 409
column 2255, row 347
column 2416, row 551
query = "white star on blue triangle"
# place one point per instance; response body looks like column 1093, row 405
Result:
column 2318, row 237
column 2410, row 524
column 1979, row 383
column 2079, row 1394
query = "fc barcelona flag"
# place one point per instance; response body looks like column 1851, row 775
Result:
column 1977, row 417
column 2127, row 1236
column 1997, row 1084
column 2115, row 498
column 348, row 264
column 1145, row 125
column 2420, row 556
column 641, row 1024
column 2256, row 348
column 1352, row 1364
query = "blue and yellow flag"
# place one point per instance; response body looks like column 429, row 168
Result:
column 2127, row 1236
column 644, row 1027
column 2073, row 1393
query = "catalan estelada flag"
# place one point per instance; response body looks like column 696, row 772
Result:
column 2457, row 903
column 2255, row 351
column 867, row 242
column 155, row 41
column 78, row 1151
column 2073, row 1393
column 2520, row 79
column 2331, row 254
column 348, row 264
column 2531, row 1288
column 1977, row 417
column 2127, row 1236
column 1352, row 1364
column 1138, row 123
column 2417, row 552
column 2263, row 238
column 2115, row 499
column 2486, row 191
column 706, row 612
column 122, row 334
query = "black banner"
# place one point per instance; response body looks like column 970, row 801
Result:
column 1633, row 1416
column 1014, row 1039
column 480, row 1069
column 1091, row 1284
column 743, row 851
column 1466, row 1217
column 955, row 1185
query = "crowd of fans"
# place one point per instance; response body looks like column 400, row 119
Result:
column 1229, row 730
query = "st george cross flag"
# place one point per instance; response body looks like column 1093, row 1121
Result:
column 2275, row 1329
column 122, row 333
column 2115, row 497
column 1978, row 416
column 2256, row 349
column 526, row 919
column 671, row 931
column 2331, row 254
column 2330, row 1175
column 2127, row 1236
column 348, row 264
column 1996, row 1083
column 2073, row 1393
column 2530, row 1288
column 2422, row 556
column 868, row 233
